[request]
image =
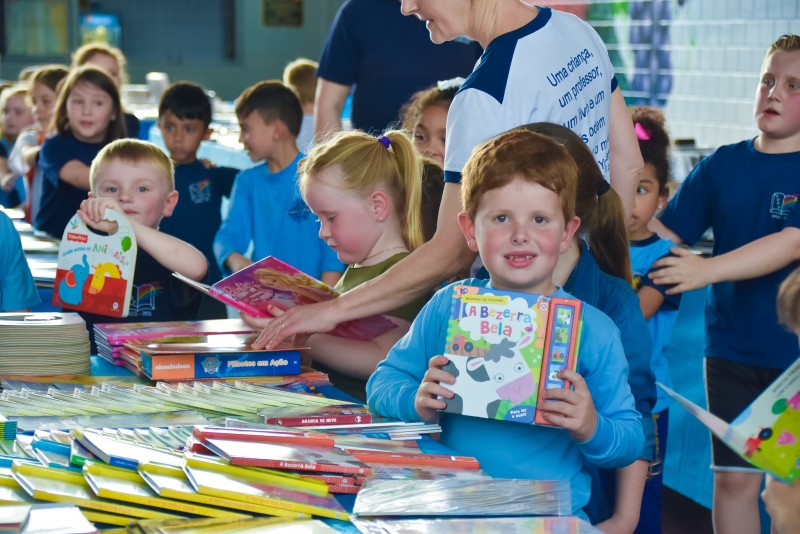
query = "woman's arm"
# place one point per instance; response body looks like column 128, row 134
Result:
column 445, row 255
column 328, row 106
column 626, row 161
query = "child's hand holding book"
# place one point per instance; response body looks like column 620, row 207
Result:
column 93, row 213
column 571, row 409
column 427, row 403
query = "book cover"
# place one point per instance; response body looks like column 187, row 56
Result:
column 505, row 349
column 766, row 433
column 126, row 485
column 118, row 453
column 315, row 416
column 95, row 272
column 271, row 282
column 171, row 482
column 204, row 365
column 202, row 433
column 247, row 486
column 293, row 457
column 119, row 333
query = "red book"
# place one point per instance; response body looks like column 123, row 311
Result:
column 415, row 459
column 318, row 416
column 203, row 433
column 289, row 457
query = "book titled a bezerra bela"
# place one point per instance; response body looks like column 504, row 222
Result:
column 95, row 271
column 270, row 282
column 506, row 349
column 766, row 433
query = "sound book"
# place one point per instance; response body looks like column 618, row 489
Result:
column 505, row 350
column 272, row 283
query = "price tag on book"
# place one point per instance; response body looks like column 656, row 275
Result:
column 95, row 271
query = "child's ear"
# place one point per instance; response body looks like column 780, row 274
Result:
column 170, row 203
column 468, row 229
column 569, row 231
column 381, row 204
column 207, row 134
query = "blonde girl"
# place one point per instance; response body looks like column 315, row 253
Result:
column 366, row 192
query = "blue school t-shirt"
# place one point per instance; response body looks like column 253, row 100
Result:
column 742, row 195
column 17, row 288
column 197, row 217
column 61, row 200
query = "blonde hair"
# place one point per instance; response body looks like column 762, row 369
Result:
column 14, row 90
column 84, row 53
column 132, row 151
column 301, row 76
column 367, row 163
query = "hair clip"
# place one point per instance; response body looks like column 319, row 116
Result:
column 452, row 83
column 603, row 188
column 385, row 141
column 641, row 133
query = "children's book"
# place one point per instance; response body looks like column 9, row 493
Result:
column 281, row 456
column 411, row 459
column 459, row 525
column 95, row 272
column 202, row 433
column 766, row 433
column 120, row 333
column 119, row 453
column 216, row 356
column 301, row 416
column 171, row 482
column 505, row 350
column 271, row 282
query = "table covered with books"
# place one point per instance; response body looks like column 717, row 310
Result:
column 283, row 450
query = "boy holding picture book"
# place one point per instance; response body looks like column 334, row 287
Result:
column 518, row 194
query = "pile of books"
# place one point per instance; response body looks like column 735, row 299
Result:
column 43, row 344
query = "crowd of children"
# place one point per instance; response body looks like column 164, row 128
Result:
column 535, row 207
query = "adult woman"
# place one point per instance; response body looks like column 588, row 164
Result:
column 538, row 65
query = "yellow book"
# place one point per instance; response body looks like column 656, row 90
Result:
column 58, row 485
column 245, row 487
column 12, row 493
column 273, row 477
column 126, row 485
column 111, row 519
column 171, row 482
column 260, row 525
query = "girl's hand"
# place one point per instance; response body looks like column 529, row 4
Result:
column 93, row 211
column 427, row 402
column 8, row 182
column 782, row 502
column 684, row 271
column 571, row 409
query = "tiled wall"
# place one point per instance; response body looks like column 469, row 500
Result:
column 707, row 58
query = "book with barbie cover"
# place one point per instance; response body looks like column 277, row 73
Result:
column 271, row 282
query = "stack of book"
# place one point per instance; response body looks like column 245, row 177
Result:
column 8, row 429
column 43, row 344
column 111, row 337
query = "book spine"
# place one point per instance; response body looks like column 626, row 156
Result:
column 345, row 419
column 301, row 466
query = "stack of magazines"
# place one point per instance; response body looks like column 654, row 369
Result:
column 43, row 344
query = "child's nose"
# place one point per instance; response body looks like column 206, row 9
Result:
column 520, row 234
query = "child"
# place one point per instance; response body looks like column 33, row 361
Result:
column 267, row 209
column 301, row 77
column 136, row 178
column 113, row 61
column 659, row 308
column 87, row 117
column 42, row 89
column 746, row 193
column 518, row 199
column 782, row 501
column 184, row 116
column 15, row 115
column 17, row 289
column 366, row 193
column 425, row 116
column 600, row 275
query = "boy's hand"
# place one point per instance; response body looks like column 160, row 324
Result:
column 8, row 182
column 571, row 409
column 93, row 211
column 427, row 402
column 684, row 271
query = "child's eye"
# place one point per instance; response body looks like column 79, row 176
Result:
column 142, row 189
column 419, row 137
column 501, row 218
column 110, row 189
column 768, row 82
column 641, row 190
column 538, row 219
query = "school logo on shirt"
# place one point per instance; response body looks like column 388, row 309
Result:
column 201, row 191
column 782, row 205
column 143, row 299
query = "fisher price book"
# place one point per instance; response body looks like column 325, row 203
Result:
column 271, row 282
column 505, row 350
column 766, row 433
column 95, row 271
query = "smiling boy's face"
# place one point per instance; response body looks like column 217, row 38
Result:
column 519, row 231
column 142, row 189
